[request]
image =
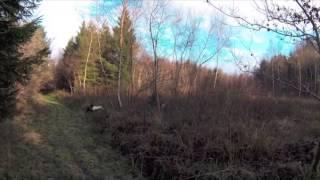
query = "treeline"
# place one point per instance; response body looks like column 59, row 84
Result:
column 91, row 59
column 98, row 58
column 102, row 59
column 297, row 74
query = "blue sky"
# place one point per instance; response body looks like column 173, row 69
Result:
column 62, row 19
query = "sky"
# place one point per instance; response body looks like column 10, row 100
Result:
column 62, row 19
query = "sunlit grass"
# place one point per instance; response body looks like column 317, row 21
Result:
column 51, row 99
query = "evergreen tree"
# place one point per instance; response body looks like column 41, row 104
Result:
column 71, row 47
column 88, row 59
column 129, row 41
column 81, row 56
column 108, row 66
column 87, row 50
column 15, row 31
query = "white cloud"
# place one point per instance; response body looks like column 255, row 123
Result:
column 61, row 20
column 244, row 41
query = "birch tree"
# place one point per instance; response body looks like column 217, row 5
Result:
column 184, row 36
column 297, row 20
column 155, row 18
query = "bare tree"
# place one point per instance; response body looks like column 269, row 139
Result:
column 295, row 19
column 155, row 18
column 184, row 36
column 210, row 46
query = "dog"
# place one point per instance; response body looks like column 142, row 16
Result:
column 93, row 108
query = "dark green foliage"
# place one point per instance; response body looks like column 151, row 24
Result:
column 108, row 56
column 15, row 30
column 102, row 67
column 71, row 47
column 129, row 41
column 100, row 71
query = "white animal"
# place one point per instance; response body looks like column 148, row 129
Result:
column 93, row 108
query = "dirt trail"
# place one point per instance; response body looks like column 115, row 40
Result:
column 60, row 144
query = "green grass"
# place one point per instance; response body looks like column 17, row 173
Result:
column 51, row 99
column 57, row 143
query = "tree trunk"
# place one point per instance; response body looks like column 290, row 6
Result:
column 120, row 60
column 216, row 74
column 177, row 78
column 86, row 66
column 300, row 79
column 315, row 77
column 154, row 41
column 273, row 79
column 131, row 87
column 155, row 80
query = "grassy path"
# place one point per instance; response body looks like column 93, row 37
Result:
column 59, row 144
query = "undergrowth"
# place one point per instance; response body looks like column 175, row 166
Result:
column 221, row 136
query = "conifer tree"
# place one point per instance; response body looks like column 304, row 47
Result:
column 124, row 38
column 88, row 58
column 129, row 41
column 15, row 30
column 108, row 66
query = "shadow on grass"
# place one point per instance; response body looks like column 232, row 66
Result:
column 55, row 142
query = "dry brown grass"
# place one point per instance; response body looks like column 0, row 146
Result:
column 222, row 134
column 32, row 137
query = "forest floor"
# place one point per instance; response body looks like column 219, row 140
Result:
column 56, row 142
